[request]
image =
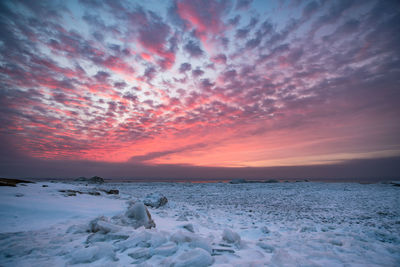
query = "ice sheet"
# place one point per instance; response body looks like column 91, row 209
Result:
column 284, row 224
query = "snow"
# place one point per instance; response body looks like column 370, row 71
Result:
column 39, row 207
column 273, row 224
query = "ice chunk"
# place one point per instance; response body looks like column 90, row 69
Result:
column 140, row 239
column 265, row 230
column 101, row 225
column 145, row 253
column 77, row 229
column 140, row 216
column 282, row 258
column 230, row 236
column 141, row 253
column 182, row 237
column 91, row 254
column 201, row 243
column 97, row 237
column 182, row 218
column 266, row 247
column 193, row 240
column 197, row 257
column 157, row 239
column 166, row 250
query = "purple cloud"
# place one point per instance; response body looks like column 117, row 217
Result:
column 193, row 49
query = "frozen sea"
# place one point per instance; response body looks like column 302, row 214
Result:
column 203, row 224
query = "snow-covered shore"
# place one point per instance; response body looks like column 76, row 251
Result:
column 280, row 224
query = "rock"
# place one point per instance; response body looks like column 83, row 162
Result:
column 155, row 200
column 12, row 182
column 395, row 183
column 270, row 181
column 112, row 192
column 93, row 180
column 45, row 185
column 94, row 193
column 230, row 236
column 188, row 227
column 220, row 251
column 197, row 257
column 96, row 180
column 69, row 192
column 238, row 181
column 302, row 181
column 140, row 216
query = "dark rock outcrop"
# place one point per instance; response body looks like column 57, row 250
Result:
column 111, row 192
column 238, row 181
column 71, row 193
column 395, row 183
column 12, row 182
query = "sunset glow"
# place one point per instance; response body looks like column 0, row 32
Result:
column 200, row 83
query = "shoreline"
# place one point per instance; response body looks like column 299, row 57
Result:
column 205, row 181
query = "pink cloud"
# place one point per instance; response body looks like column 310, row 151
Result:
column 204, row 17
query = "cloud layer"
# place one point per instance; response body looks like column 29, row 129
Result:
column 215, row 83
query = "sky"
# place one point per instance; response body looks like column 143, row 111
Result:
column 199, row 88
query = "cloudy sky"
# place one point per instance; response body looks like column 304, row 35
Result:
column 197, row 84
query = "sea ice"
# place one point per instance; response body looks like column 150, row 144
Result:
column 272, row 224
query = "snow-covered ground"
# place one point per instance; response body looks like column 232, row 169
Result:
column 279, row 224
